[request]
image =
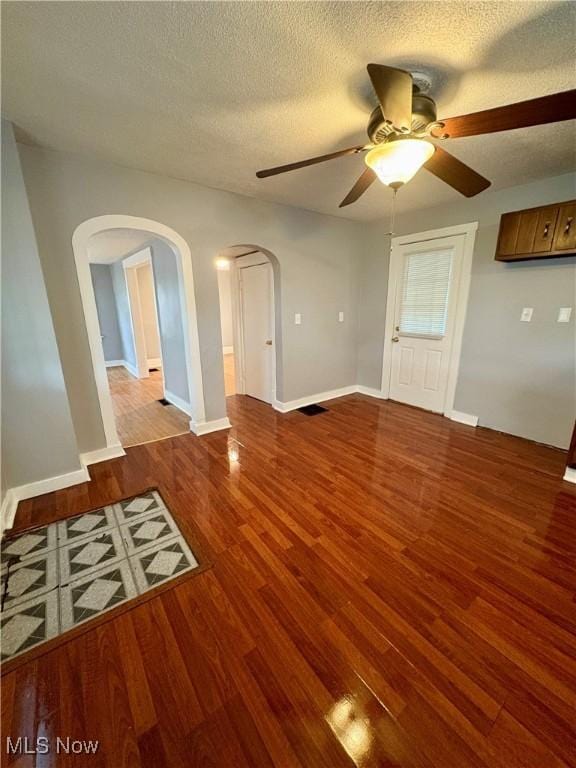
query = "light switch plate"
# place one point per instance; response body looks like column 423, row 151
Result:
column 340, row 317
column 297, row 319
column 564, row 314
column 526, row 315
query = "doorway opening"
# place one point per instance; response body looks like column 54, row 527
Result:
column 135, row 279
column 248, row 278
column 134, row 328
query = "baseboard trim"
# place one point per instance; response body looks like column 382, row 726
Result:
column 292, row 405
column 30, row 490
column 227, row 350
column 370, row 392
column 463, row 418
column 131, row 369
column 102, row 454
column 178, row 402
column 570, row 475
column 8, row 511
column 205, row 427
column 154, row 362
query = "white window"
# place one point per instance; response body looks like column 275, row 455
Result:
column 424, row 297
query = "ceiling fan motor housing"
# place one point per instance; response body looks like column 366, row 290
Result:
column 423, row 113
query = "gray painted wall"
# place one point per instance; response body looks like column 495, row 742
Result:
column 516, row 377
column 168, row 301
column 106, row 307
column 123, row 313
column 38, row 439
column 317, row 267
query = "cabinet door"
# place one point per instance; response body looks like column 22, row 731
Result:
column 544, row 235
column 509, row 226
column 529, row 222
column 565, row 238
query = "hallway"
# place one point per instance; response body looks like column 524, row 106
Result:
column 140, row 418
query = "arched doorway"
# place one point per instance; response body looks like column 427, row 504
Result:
column 248, row 281
column 80, row 243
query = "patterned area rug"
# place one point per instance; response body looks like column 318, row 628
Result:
column 57, row 577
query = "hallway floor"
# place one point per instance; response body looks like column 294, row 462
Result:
column 229, row 375
column 388, row 589
column 140, row 418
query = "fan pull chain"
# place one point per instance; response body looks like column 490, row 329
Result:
column 392, row 215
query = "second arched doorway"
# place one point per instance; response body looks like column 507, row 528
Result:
column 248, row 284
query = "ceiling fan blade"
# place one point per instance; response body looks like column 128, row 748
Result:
column 359, row 188
column 523, row 114
column 456, row 173
column 312, row 161
column 394, row 90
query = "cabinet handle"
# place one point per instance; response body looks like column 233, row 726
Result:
column 568, row 224
column 546, row 228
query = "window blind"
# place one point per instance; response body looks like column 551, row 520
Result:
column 425, row 290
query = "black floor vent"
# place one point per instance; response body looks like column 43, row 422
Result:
column 312, row 410
column 163, row 401
column 153, row 370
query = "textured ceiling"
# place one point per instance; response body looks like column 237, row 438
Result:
column 212, row 92
column 107, row 247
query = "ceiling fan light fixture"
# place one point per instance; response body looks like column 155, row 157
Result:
column 396, row 162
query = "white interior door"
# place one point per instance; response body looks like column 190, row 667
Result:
column 255, row 287
column 427, row 280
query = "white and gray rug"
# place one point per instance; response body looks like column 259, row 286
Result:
column 57, row 577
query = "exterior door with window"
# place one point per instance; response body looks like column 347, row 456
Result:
column 427, row 281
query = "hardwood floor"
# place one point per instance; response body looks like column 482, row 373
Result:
column 229, row 375
column 140, row 418
column 388, row 588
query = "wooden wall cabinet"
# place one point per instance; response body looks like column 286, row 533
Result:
column 538, row 233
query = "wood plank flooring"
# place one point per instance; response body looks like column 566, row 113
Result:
column 140, row 418
column 229, row 375
column 388, row 588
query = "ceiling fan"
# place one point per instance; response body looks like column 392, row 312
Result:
column 401, row 126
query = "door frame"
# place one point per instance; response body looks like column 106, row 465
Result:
column 131, row 265
column 251, row 260
column 80, row 242
column 463, row 291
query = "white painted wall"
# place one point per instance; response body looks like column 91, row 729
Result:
column 225, row 295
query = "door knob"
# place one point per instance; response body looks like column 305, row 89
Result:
column 269, row 343
column 395, row 338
